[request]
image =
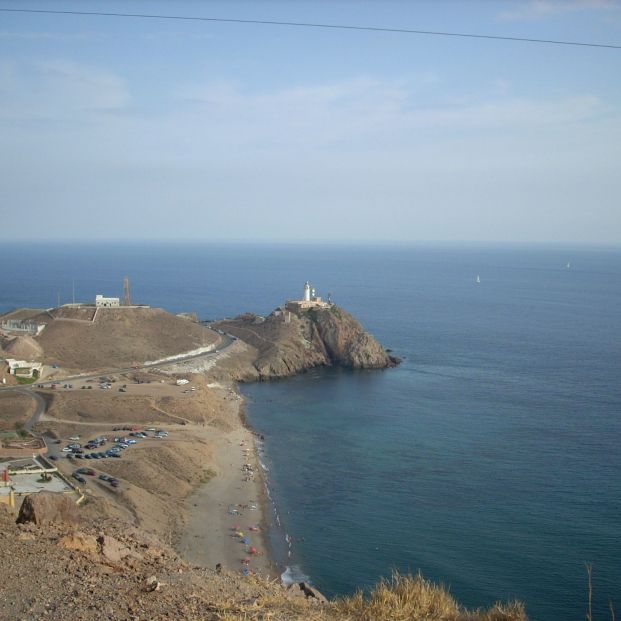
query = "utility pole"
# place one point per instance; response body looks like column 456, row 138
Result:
column 73, row 290
column 126, row 300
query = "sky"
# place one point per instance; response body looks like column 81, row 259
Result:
column 127, row 128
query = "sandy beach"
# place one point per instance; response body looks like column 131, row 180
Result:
column 226, row 516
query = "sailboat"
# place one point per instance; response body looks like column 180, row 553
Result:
column 568, row 266
column 478, row 280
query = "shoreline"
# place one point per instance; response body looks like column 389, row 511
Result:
column 227, row 516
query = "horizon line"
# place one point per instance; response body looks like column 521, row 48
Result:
column 313, row 242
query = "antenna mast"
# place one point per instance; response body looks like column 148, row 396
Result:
column 126, row 300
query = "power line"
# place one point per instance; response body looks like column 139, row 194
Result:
column 263, row 22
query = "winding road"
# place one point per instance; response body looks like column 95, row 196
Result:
column 226, row 341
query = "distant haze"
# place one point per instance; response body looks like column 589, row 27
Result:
column 135, row 128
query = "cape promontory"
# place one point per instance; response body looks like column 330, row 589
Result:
column 292, row 340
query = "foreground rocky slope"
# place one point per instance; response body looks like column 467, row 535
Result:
column 290, row 343
column 104, row 569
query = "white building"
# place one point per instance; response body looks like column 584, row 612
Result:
column 23, row 368
column 310, row 299
column 101, row 302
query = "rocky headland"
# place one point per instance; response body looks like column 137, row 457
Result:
column 289, row 342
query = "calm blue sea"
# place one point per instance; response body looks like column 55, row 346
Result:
column 490, row 459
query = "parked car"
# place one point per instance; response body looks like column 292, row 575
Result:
column 78, row 477
column 52, row 457
column 104, row 477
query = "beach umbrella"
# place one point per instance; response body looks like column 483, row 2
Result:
column 245, row 541
column 252, row 550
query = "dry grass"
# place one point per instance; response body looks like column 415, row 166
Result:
column 412, row 598
column 402, row 598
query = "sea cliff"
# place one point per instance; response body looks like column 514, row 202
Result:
column 289, row 342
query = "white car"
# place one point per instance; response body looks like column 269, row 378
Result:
column 74, row 438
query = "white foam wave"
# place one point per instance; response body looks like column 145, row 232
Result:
column 292, row 575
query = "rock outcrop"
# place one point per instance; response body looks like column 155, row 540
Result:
column 48, row 508
column 290, row 343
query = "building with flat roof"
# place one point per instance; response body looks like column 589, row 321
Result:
column 21, row 477
column 103, row 302
column 23, row 368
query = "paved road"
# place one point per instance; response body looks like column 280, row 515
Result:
column 41, row 404
column 226, row 341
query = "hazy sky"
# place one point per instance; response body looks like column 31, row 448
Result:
column 135, row 128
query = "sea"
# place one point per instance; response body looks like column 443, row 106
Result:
column 489, row 460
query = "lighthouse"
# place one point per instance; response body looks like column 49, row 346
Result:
column 310, row 299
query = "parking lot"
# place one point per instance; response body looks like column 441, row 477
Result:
column 108, row 446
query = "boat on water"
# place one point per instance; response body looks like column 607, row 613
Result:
column 478, row 280
column 568, row 266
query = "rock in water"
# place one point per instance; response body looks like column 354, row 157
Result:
column 47, row 508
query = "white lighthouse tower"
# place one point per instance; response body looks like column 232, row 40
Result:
column 310, row 299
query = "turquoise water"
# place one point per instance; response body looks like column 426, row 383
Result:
column 489, row 459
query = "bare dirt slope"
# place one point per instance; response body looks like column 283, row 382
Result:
column 15, row 409
column 120, row 336
column 24, row 314
column 143, row 404
column 22, row 347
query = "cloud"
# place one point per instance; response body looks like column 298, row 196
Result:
column 541, row 9
column 58, row 90
column 365, row 111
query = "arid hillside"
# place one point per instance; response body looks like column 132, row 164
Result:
column 118, row 337
column 15, row 409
